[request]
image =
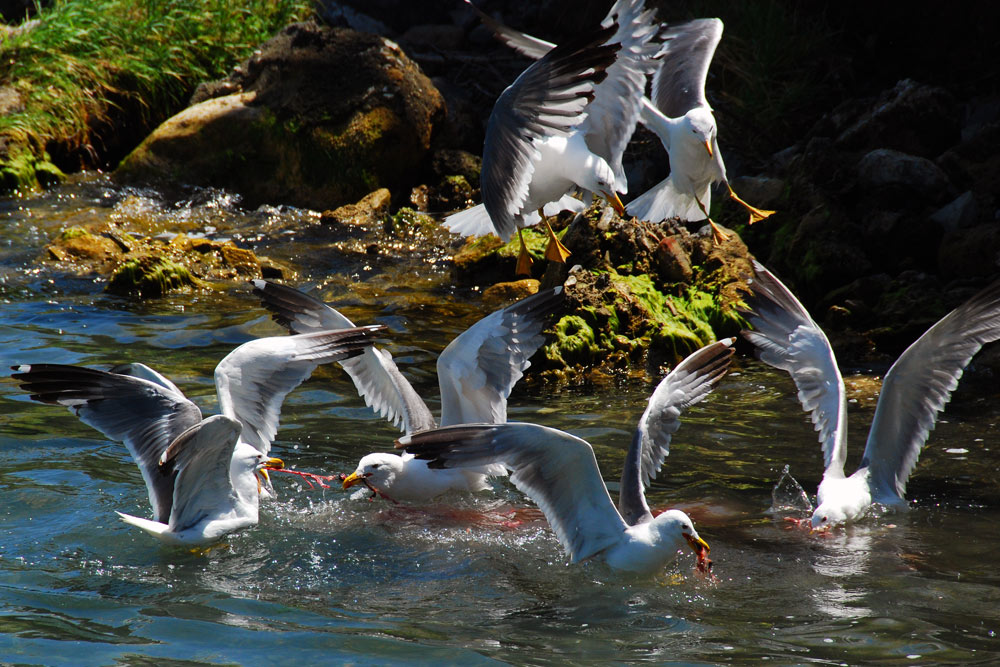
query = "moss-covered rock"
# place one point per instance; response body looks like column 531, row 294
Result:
column 149, row 276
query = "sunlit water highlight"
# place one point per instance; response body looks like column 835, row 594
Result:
column 335, row 577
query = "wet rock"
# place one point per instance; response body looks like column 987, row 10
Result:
column 323, row 117
column 149, row 277
column 371, row 208
column 884, row 169
column 500, row 295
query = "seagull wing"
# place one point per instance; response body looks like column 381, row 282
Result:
column 786, row 337
column 374, row 373
column 146, row 416
column 547, row 99
column 253, row 380
column 524, row 44
column 679, row 83
column 555, row 469
column 688, row 383
column 614, row 112
column 478, row 370
column 200, row 457
column 918, row 386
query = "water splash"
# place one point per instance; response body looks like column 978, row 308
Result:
column 788, row 496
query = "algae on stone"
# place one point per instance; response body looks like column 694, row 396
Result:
column 149, row 277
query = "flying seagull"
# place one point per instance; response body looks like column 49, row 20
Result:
column 203, row 476
column 559, row 471
column 563, row 124
column 683, row 120
column 681, row 117
column 915, row 390
column 476, row 373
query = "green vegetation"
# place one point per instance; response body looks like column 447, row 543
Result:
column 150, row 277
column 86, row 58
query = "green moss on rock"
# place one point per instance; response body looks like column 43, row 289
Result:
column 150, row 277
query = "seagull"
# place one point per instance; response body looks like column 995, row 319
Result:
column 203, row 476
column 559, row 471
column 915, row 390
column 683, row 120
column 476, row 373
column 563, row 124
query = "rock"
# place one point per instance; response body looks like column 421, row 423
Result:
column 911, row 118
column 972, row 252
column 323, row 117
column 959, row 213
column 760, row 191
column 436, row 36
column 149, row 277
column 370, row 209
column 502, row 294
column 917, row 177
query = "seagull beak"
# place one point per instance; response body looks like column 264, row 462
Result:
column 351, row 480
column 615, row 202
column 708, row 147
column 697, row 544
column 269, row 464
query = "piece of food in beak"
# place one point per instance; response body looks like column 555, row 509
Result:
column 701, row 548
column 351, row 480
column 269, row 464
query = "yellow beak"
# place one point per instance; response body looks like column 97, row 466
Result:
column 697, row 544
column 351, row 480
column 615, row 202
column 708, row 147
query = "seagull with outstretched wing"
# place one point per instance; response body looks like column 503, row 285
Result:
column 559, row 471
column 476, row 373
column 914, row 391
column 204, row 477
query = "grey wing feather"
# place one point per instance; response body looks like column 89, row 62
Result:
column 201, row 457
column 679, row 83
column 919, row 385
column 787, row 338
column 614, row 112
column 146, row 416
column 555, row 469
column 253, row 380
column 688, row 383
column 524, row 44
column 374, row 373
column 547, row 99
column 478, row 370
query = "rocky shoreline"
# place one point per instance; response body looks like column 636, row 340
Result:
column 888, row 210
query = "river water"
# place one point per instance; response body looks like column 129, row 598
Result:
column 333, row 577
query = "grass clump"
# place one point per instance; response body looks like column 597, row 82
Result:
column 85, row 60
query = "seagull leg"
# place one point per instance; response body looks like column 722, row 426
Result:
column 523, row 258
column 718, row 235
column 555, row 251
column 756, row 214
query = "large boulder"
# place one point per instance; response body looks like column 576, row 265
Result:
column 318, row 118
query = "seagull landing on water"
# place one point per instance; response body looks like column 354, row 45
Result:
column 914, row 391
column 683, row 119
column 476, row 373
column 563, row 124
column 204, row 477
column 559, row 472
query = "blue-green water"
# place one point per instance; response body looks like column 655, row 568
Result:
column 332, row 578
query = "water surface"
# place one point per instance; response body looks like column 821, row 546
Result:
column 333, row 577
